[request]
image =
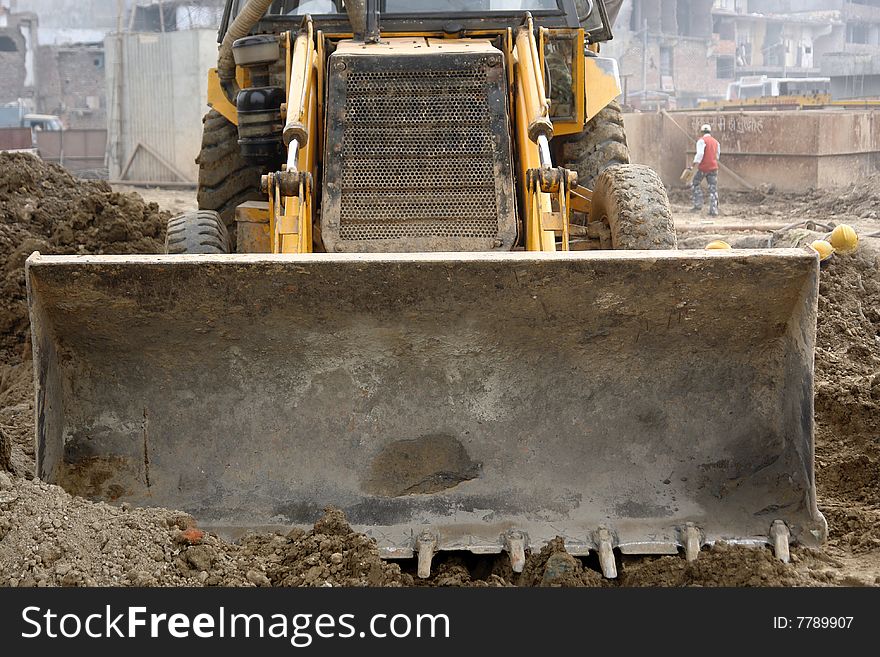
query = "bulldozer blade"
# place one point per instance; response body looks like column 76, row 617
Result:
column 641, row 402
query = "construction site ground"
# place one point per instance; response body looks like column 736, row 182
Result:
column 48, row 538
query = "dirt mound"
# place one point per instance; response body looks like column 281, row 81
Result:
column 48, row 538
column 854, row 529
column 721, row 565
column 44, row 208
column 860, row 199
column 17, row 419
column 330, row 554
column 467, row 570
column 848, row 403
column 553, row 566
column 848, row 343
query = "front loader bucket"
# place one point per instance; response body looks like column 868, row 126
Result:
column 635, row 400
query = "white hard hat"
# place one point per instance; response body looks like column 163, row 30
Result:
column 705, row 128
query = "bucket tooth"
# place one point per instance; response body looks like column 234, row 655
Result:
column 426, row 545
column 606, row 553
column 692, row 539
column 515, row 543
column 781, row 537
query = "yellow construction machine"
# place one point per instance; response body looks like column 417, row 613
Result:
column 425, row 286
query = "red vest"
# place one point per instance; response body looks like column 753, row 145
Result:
column 710, row 155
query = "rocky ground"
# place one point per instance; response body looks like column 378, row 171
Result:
column 49, row 538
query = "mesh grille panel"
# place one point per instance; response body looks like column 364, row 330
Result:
column 392, row 143
column 418, row 155
column 417, row 82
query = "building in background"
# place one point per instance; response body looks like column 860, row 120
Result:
column 18, row 54
column 62, row 22
column 675, row 53
column 72, row 84
column 53, row 56
column 171, row 16
column 851, row 57
column 668, row 53
column 65, row 58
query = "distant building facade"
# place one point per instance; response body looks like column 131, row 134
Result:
column 674, row 53
column 18, row 48
column 52, row 51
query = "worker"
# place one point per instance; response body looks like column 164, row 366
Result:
column 706, row 159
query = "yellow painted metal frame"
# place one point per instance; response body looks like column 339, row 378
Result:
column 545, row 215
column 291, row 217
column 601, row 88
column 530, row 102
column 217, row 99
column 543, row 224
column 787, row 102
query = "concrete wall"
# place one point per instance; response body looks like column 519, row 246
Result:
column 16, row 139
column 82, row 151
column 73, row 85
column 791, row 150
column 164, row 97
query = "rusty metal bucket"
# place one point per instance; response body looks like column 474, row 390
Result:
column 640, row 401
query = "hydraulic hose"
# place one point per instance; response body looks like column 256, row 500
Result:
column 249, row 16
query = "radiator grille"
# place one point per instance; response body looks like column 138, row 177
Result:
column 418, row 155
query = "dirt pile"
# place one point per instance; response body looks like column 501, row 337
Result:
column 860, row 199
column 848, row 402
column 723, row 565
column 44, row 208
column 329, row 554
column 553, row 566
column 48, row 538
column 17, row 419
column 848, row 343
column 856, row 201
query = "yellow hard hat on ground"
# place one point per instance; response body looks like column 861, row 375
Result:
column 844, row 239
column 718, row 245
column 823, row 248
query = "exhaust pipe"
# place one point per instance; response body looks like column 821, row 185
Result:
column 364, row 18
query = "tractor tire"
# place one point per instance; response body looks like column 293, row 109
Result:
column 602, row 144
column 631, row 201
column 202, row 231
column 226, row 180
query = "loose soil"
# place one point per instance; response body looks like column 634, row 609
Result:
column 49, row 538
column 44, row 208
